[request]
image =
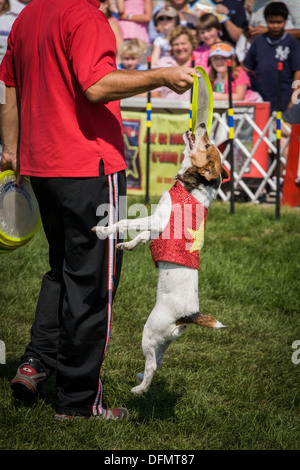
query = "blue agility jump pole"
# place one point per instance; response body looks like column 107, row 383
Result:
column 191, row 101
column 148, row 112
column 231, row 134
column 278, row 135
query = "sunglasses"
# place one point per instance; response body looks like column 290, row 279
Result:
column 165, row 18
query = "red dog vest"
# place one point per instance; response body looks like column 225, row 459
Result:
column 183, row 238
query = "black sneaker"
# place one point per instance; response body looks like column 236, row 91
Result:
column 28, row 382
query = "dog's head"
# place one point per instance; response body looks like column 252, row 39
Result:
column 201, row 155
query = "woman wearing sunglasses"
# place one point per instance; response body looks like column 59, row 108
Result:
column 165, row 21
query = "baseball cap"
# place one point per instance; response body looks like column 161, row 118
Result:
column 166, row 11
column 222, row 49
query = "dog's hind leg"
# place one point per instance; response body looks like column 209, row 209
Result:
column 159, row 357
column 150, row 369
column 161, row 352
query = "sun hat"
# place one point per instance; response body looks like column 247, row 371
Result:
column 166, row 11
column 221, row 48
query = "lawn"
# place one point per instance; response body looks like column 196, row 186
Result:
column 231, row 389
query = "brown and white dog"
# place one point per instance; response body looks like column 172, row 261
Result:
column 177, row 303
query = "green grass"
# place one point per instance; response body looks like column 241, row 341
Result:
column 232, row 389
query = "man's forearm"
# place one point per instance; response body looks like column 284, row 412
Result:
column 9, row 120
column 233, row 30
column 9, row 128
column 121, row 84
column 294, row 32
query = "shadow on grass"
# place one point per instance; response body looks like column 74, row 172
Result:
column 157, row 403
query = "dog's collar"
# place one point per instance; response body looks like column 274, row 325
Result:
column 192, row 179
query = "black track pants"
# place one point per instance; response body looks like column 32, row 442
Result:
column 73, row 319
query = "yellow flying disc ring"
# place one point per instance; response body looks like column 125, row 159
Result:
column 202, row 100
column 19, row 213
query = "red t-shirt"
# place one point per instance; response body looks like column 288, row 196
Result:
column 56, row 50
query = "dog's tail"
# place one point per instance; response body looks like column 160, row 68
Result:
column 201, row 320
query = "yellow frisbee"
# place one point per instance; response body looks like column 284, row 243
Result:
column 202, row 100
column 19, row 212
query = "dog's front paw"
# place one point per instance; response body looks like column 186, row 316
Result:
column 122, row 246
column 126, row 246
column 138, row 390
column 101, row 231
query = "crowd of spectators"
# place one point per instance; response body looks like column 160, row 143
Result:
column 179, row 32
column 255, row 34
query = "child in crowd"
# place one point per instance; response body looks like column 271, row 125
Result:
column 218, row 74
column 131, row 55
column 208, row 29
column 276, row 45
column 165, row 20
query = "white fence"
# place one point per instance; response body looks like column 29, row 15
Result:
column 219, row 133
column 220, row 126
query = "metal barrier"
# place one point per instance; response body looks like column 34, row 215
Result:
column 220, row 121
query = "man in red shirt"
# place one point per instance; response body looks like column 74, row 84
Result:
column 62, row 117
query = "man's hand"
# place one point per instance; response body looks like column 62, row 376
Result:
column 9, row 161
column 252, row 32
column 178, row 79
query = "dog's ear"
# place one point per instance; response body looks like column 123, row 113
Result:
column 185, row 137
column 224, row 174
column 209, row 171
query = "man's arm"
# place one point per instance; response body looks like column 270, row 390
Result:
column 9, row 129
column 121, row 84
column 294, row 32
column 233, row 30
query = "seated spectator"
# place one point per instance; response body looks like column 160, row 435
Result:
column 218, row 56
column 183, row 42
column 165, row 20
column 186, row 17
column 131, row 55
column 134, row 16
column 208, row 31
column 106, row 8
column 237, row 22
column 257, row 22
column 265, row 53
column 153, row 34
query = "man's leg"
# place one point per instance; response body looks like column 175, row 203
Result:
column 74, row 311
column 91, row 274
